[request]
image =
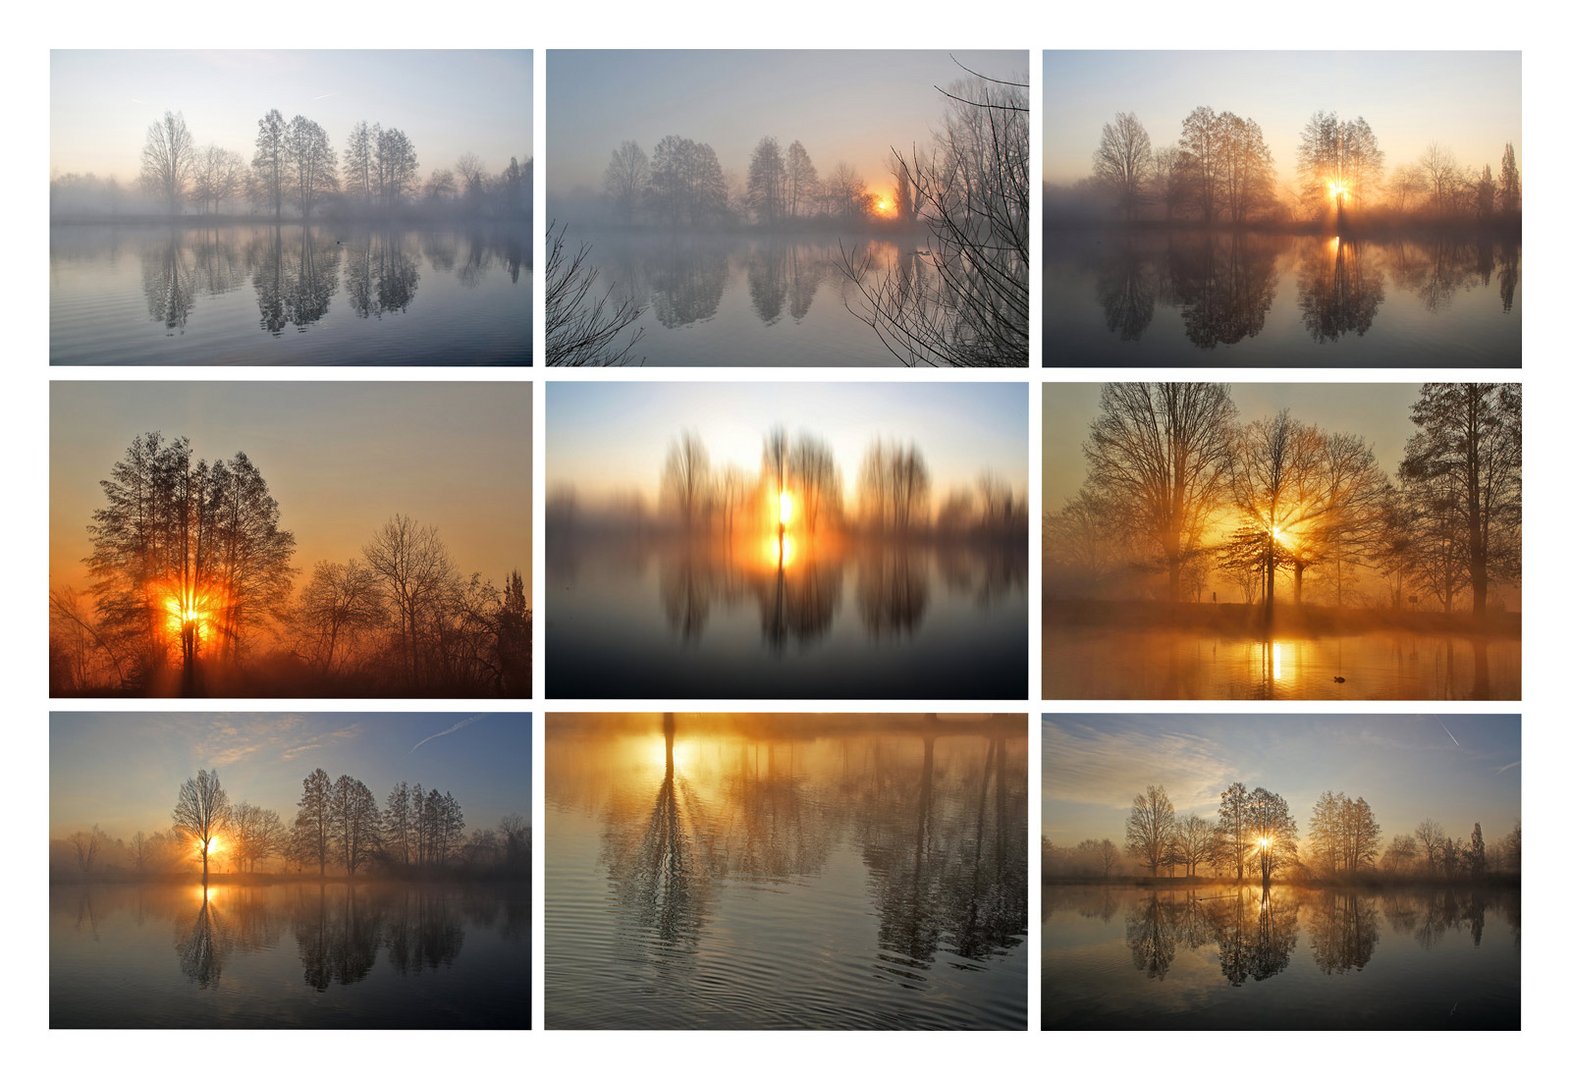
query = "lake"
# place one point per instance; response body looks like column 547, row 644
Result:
column 716, row 300
column 1098, row 662
column 1218, row 299
column 662, row 618
column 1215, row 956
column 306, row 954
column 785, row 872
column 262, row 294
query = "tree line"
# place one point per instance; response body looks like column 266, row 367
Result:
column 1220, row 170
column 192, row 581
column 1180, row 496
column 1255, row 834
column 294, row 164
column 338, row 825
column 799, row 488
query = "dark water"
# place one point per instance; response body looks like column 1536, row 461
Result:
column 256, row 294
column 663, row 619
column 747, row 301
column 1093, row 662
column 785, row 874
column 374, row 955
column 1154, row 298
column 1216, row 957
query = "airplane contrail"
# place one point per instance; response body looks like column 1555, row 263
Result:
column 465, row 722
column 1448, row 732
column 1503, row 768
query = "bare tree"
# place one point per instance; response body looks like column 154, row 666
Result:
column 626, row 177
column 766, row 182
column 1274, row 831
column 801, row 180
column 1232, row 843
column 1158, row 454
column 311, row 164
column 685, row 482
column 87, row 844
column 337, row 605
column 1123, row 161
column 313, row 829
column 202, row 811
column 584, row 328
column 1151, row 827
column 1431, row 838
column 270, row 165
column 1510, row 183
column 168, row 160
column 416, row 578
column 355, row 820
column 1191, row 843
column 1201, row 146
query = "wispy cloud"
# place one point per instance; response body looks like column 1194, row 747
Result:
column 324, row 97
column 1503, row 768
column 1086, row 764
column 465, row 722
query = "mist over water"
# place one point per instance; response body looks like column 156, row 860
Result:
column 345, row 293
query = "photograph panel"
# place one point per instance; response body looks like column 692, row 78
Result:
column 291, row 207
column 1290, row 871
column 823, row 871
column 1353, row 209
column 774, row 540
column 1280, row 540
column 754, row 208
column 300, row 870
column 235, row 539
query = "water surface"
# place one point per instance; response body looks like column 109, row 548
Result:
column 748, row 300
column 669, row 619
column 1217, row 299
column 1216, row 956
column 1100, row 662
column 371, row 955
column 786, row 873
column 290, row 294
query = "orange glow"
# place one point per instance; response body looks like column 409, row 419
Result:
column 779, row 551
column 187, row 610
column 883, row 206
column 787, row 509
column 1335, row 190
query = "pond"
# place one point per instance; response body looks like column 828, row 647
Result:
column 787, row 872
column 1097, row 662
column 347, row 294
column 1218, row 299
column 306, row 954
column 716, row 300
column 1218, row 956
column 898, row 620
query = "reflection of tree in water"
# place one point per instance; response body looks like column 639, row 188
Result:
column 169, row 283
column 660, row 861
column 423, row 931
column 1339, row 289
column 1150, row 937
column 798, row 603
column 688, row 582
column 1436, row 267
column 766, row 280
column 946, row 848
column 1343, row 931
column 219, row 268
column 384, row 272
column 295, row 277
column 783, row 831
column 891, row 589
column 202, row 948
column 1255, row 934
column 988, row 572
column 686, row 281
column 1126, row 289
column 338, row 935
column 1510, row 275
column 805, row 269
column 1224, row 284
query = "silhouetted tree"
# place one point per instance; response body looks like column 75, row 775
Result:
column 311, row 164
column 1233, row 843
column 1123, row 161
column 1510, row 183
column 1201, row 146
column 1274, row 831
column 313, row 829
column 684, row 484
column 355, row 821
column 626, row 178
column 1158, row 454
column 801, row 181
column 583, row 329
column 1469, row 447
column 201, row 811
column 1150, row 830
column 270, row 163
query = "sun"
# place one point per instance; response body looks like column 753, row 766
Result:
column 787, row 508
column 883, row 206
column 1337, row 190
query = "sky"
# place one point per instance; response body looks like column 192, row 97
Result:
column 842, row 105
column 340, row 459
column 123, row 771
column 606, row 439
column 1468, row 101
column 1380, row 412
column 448, row 103
column 1456, row 769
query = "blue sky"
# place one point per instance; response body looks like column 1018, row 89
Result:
column 1456, row 769
column 448, row 103
column 123, row 771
